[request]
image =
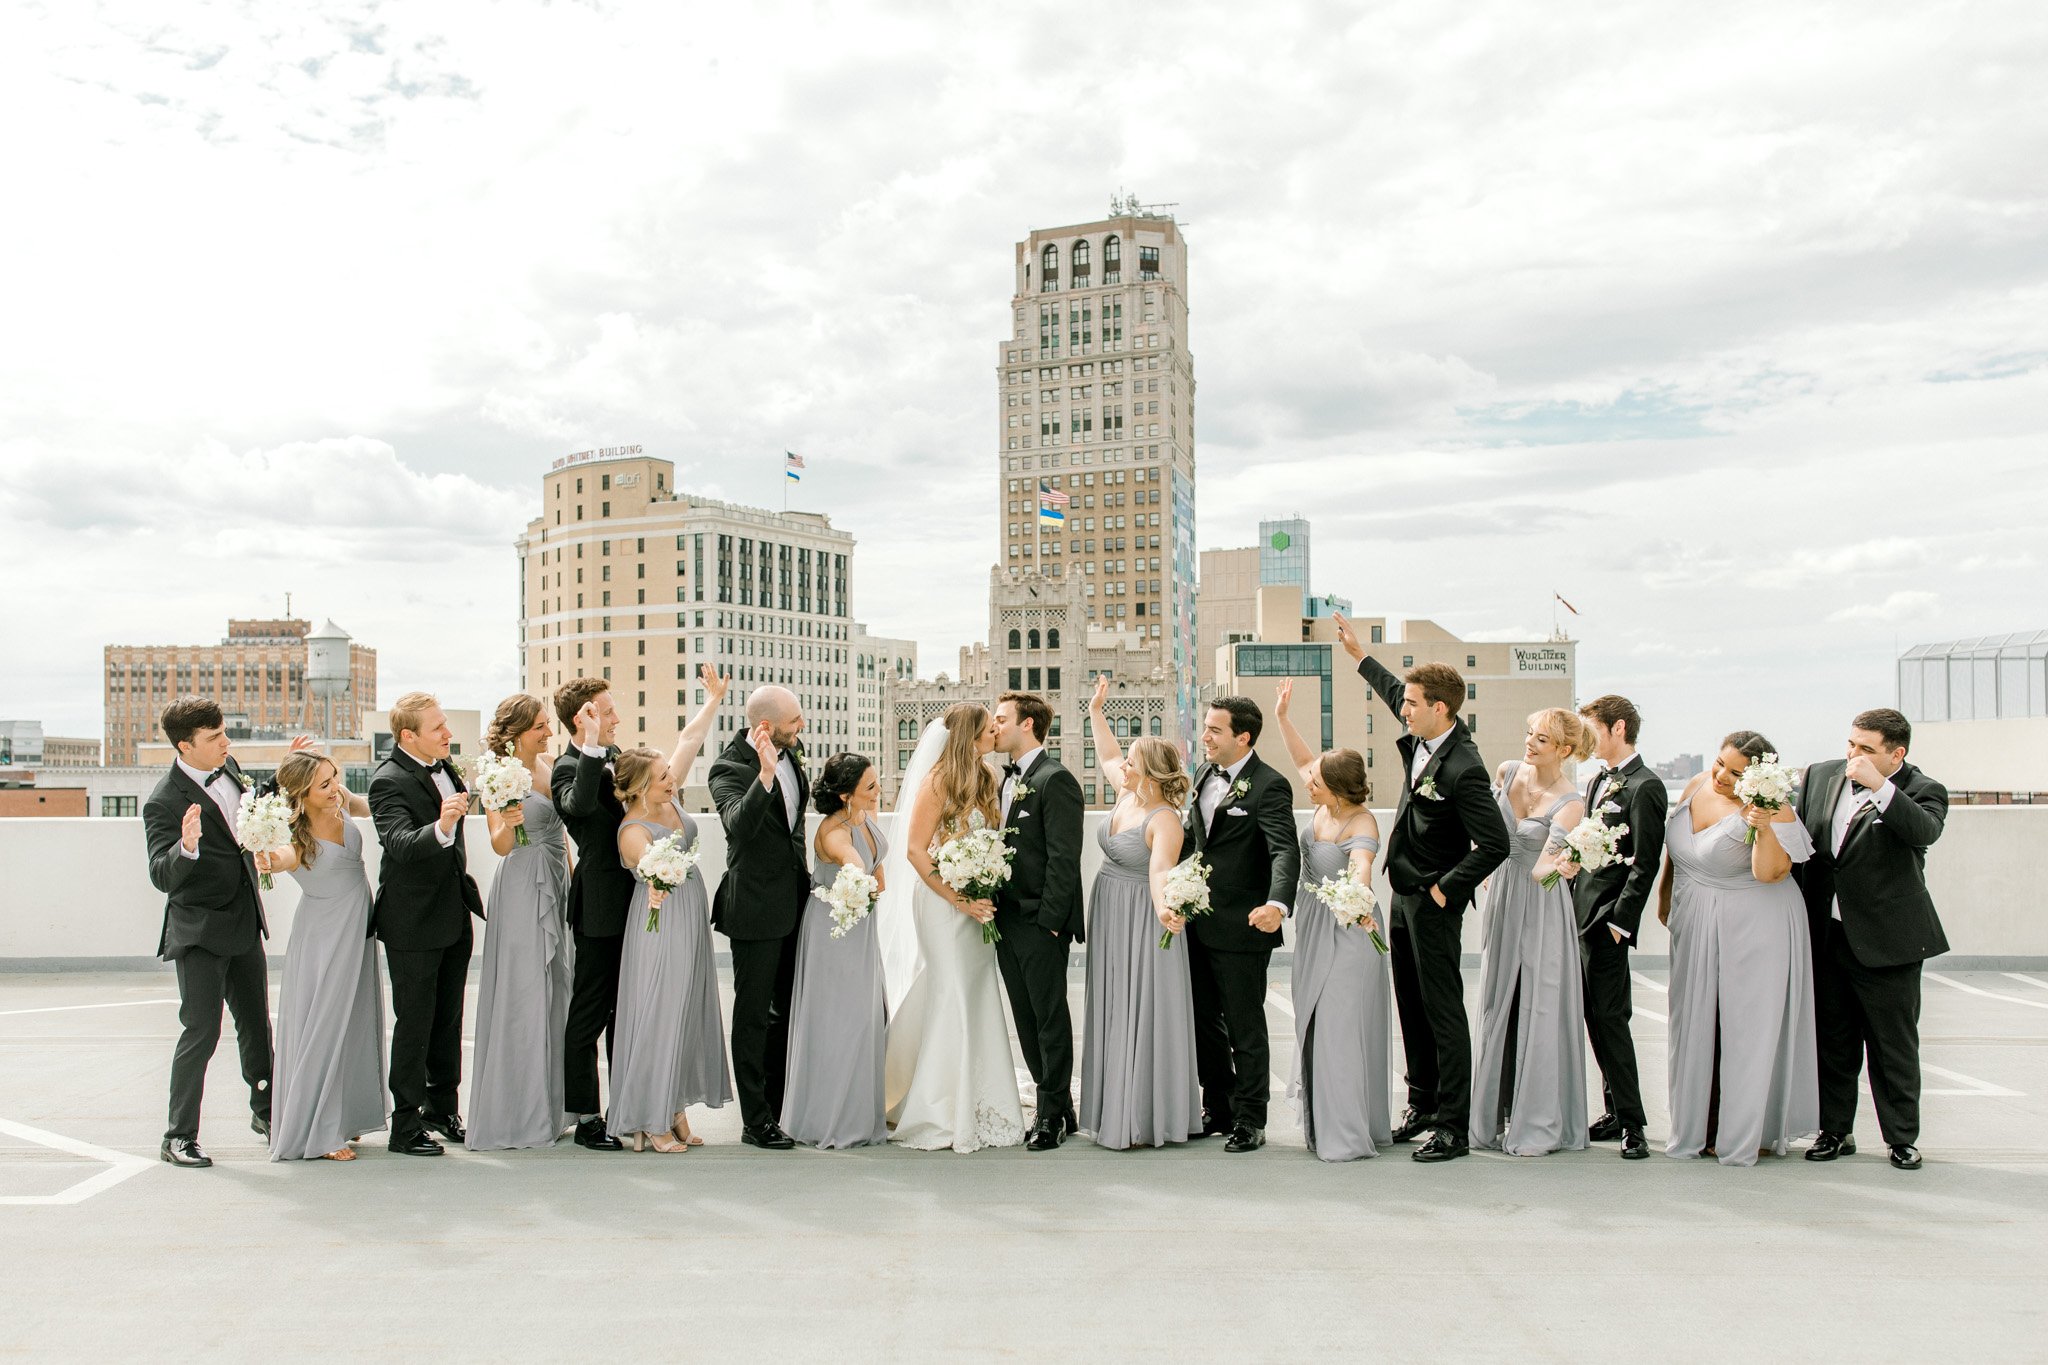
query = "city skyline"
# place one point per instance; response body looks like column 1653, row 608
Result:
column 1728, row 330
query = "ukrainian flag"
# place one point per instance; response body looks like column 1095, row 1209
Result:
column 1051, row 516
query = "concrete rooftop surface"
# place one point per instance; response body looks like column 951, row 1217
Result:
column 731, row 1254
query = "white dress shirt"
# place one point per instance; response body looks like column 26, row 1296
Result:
column 443, row 784
column 1010, row 781
column 222, row 791
column 1853, row 799
column 1424, row 748
column 1218, row 787
column 785, row 777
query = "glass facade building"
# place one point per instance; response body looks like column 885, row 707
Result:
column 1997, row 677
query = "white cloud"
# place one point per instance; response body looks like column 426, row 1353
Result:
column 1905, row 605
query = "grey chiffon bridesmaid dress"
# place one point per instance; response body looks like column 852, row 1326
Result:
column 837, row 1045
column 515, row 1098
column 327, row 1085
column 1742, row 986
column 1343, row 1016
column 1529, row 1074
column 1138, row 1083
column 668, row 1038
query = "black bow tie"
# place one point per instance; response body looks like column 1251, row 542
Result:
column 212, row 777
column 1012, row 770
column 439, row 765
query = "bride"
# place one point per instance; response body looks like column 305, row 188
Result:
column 950, row 1080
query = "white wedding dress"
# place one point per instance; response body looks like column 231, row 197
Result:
column 950, row 1079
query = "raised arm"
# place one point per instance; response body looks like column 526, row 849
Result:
column 746, row 800
column 1297, row 747
column 690, row 742
column 1389, row 687
column 404, row 841
column 163, row 831
column 1109, row 755
column 1916, row 821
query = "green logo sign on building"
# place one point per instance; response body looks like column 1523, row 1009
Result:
column 1281, row 540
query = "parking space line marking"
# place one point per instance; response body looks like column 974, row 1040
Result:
column 120, row 1166
column 2030, row 980
column 1642, row 980
column 104, row 1005
column 1988, row 995
column 1976, row 1087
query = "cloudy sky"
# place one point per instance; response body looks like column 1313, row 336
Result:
column 1729, row 323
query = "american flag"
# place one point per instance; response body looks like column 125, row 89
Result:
column 792, row 460
column 1052, row 497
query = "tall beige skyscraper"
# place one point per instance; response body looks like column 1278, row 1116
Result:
column 1095, row 407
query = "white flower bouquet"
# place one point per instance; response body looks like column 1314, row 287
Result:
column 501, row 781
column 665, row 866
column 1766, row 784
column 1187, row 893
column 263, row 824
column 1592, row 844
column 849, row 898
column 976, row 864
column 1351, row 900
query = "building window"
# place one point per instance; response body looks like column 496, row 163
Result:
column 1471, row 661
column 1376, row 635
column 1052, row 637
column 118, row 807
column 1052, row 684
column 1048, row 268
column 1471, row 691
column 1112, row 260
column 1078, row 263
column 1016, row 679
column 1148, row 262
column 1407, row 661
column 1034, row 682
column 1016, row 639
column 1032, row 640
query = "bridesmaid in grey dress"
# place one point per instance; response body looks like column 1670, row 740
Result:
column 837, row 1045
column 1342, row 986
column 1744, row 1079
column 515, row 1097
column 1529, row 1076
column 668, row 1040
column 327, row 1085
column 1138, row 1081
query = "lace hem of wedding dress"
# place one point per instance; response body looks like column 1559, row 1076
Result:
column 994, row 1128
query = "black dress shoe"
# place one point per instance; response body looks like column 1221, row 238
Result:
column 1634, row 1147
column 1606, row 1128
column 447, row 1125
column 768, row 1136
column 1412, row 1123
column 1442, row 1146
column 259, row 1124
column 184, row 1152
column 1245, row 1138
column 1212, row 1127
column 415, row 1143
column 1046, row 1134
column 1905, row 1156
column 590, row 1133
column 1828, row 1146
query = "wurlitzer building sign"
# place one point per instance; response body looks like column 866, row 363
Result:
column 586, row 456
column 1539, row 661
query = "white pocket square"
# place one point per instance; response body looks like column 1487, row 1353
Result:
column 1021, row 814
column 1235, row 811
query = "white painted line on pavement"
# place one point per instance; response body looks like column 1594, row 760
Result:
column 120, row 1166
column 1273, row 999
column 1642, row 980
column 1975, row 1086
column 1988, row 995
column 2030, row 980
column 107, row 1005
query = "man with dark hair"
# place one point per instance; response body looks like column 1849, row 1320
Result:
column 1038, row 911
column 214, row 927
column 1242, row 823
column 425, row 899
column 1873, row 817
column 1609, row 905
column 1448, row 836
column 600, row 893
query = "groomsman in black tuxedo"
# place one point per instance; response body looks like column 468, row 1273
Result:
column 1610, row 911
column 760, row 788
column 600, row 893
column 1038, row 911
column 1448, row 836
column 1242, row 823
column 213, row 928
column 425, row 897
column 1873, row 817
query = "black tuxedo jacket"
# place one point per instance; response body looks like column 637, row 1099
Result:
column 1045, row 828
column 767, row 877
column 1616, row 893
column 425, row 894
column 211, row 901
column 1454, row 841
column 600, row 888
column 1254, row 855
column 1880, row 876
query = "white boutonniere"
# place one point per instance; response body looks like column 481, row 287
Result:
column 1021, row 790
column 1427, row 791
column 241, row 779
column 1239, row 788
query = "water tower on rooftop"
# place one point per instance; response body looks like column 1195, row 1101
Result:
column 327, row 673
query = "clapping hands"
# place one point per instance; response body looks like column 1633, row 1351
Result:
column 762, row 737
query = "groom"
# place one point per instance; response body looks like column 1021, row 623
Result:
column 1242, row 823
column 759, row 786
column 600, row 894
column 1038, row 911
column 1448, row 836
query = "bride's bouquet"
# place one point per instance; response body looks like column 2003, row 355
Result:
column 1187, row 893
column 849, row 898
column 1763, row 783
column 501, row 780
column 665, row 866
column 263, row 824
column 976, row 864
column 1592, row 844
column 1351, row 900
